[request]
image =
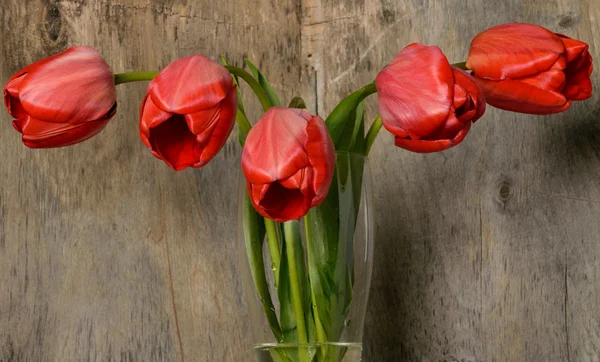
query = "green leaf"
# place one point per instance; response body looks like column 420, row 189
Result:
column 329, row 243
column 254, row 235
column 297, row 102
column 264, row 83
column 336, row 121
column 353, row 134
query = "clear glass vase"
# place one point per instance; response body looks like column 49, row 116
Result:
column 307, row 281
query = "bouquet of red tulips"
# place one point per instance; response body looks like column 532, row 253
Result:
column 297, row 165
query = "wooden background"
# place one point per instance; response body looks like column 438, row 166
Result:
column 487, row 252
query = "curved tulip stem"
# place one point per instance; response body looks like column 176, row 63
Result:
column 372, row 134
column 253, row 83
column 121, row 78
column 461, row 65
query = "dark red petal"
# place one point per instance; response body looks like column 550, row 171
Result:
column 415, row 91
column 428, row 146
column 275, row 147
column 282, row 204
column 517, row 96
column 321, row 153
column 40, row 134
column 468, row 83
column 174, row 143
column 74, row 86
column 190, row 84
column 513, row 51
column 151, row 116
column 579, row 84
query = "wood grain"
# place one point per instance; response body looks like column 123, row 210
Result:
column 486, row 252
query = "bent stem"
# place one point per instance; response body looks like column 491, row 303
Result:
column 292, row 233
column 128, row 77
column 253, row 83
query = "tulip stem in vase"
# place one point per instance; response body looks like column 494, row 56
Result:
column 292, row 241
column 274, row 250
column 121, row 78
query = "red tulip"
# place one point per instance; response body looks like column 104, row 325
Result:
column 288, row 160
column 526, row 68
column 426, row 103
column 63, row 99
column 188, row 112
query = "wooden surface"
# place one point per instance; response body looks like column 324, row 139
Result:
column 487, row 252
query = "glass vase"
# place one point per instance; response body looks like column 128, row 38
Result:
column 307, row 281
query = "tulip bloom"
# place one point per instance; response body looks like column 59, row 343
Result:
column 188, row 112
column 63, row 99
column 526, row 68
column 288, row 160
column 426, row 103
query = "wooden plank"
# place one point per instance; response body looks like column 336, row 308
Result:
column 488, row 251
column 106, row 253
column 479, row 248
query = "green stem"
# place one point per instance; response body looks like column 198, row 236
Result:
column 121, row 78
column 274, row 250
column 372, row 134
column 461, row 65
column 291, row 229
column 253, row 83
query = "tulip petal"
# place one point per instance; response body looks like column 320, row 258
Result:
column 190, row 84
column 415, row 91
column 321, row 154
column 517, row 96
column 468, row 83
column 513, row 51
column 552, row 80
column 11, row 98
column 428, row 146
column 212, row 138
column 574, row 49
column 71, row 87
column 275, row 146
column 579, row 68
column 40, row 134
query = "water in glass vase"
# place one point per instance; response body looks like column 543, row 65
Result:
column 325, row 352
